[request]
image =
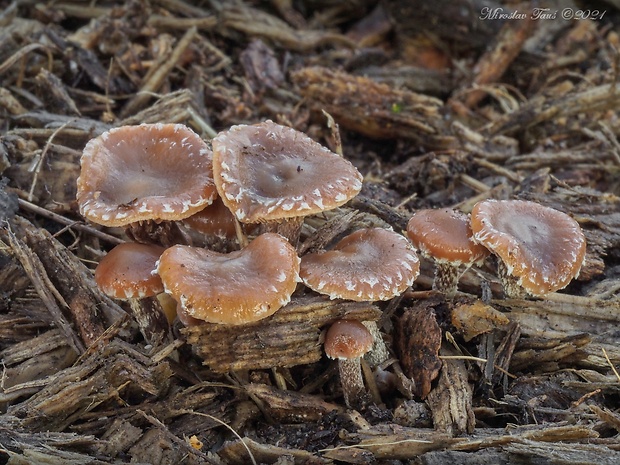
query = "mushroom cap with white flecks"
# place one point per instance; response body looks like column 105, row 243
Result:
column 126, row 272
column 268, row 172
column 145, row 172
column 234, row 288
column 368, row 265
column 542, row 247
column 445, row 236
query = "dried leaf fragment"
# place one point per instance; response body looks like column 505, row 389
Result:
column 475, row 318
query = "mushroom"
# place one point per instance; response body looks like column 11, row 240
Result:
column 368, row 265
column 268, row 173
column 444, row 236
column 145, row 173
column 234, row 288
column 214, row 220
column 348, row 341
column 215, row 227
column 540, row 249
column 127, row 273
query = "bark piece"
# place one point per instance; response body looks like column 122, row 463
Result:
column 417, row 341
column 451, row 401
column 373, row 109
column 457, row 22
column 260, row 66
column 107, row 376
column 290, row 406
column 119, row 436
column 496, row 60
column 474, row 318
column 238, row 453
column 540, row 109
column 289, row 337
column 28, row 363
column 73, row 290
column 257, row 23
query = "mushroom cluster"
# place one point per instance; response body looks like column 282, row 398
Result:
column 539, row 249
column 265, row 176
column 165, row 185
column 257, row 184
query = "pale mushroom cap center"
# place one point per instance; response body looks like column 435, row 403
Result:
column 543, row 247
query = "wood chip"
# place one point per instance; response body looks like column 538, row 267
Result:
column 288, row 338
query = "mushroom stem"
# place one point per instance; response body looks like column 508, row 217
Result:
column 242, row 239
column 289, row 228
column 447, row 278
column 352, row 381
column 510, row 284
column 164, row 233
column 168, row 306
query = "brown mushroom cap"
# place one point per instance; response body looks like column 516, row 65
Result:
column 235, row 288
column 445, row 236
column 268, row 172
column 127, row 271
column 542, row 247
column 347, row 339
column 145, row 172
column 367, row 265
column 215, row 220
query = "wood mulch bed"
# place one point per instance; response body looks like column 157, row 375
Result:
column 438, row 104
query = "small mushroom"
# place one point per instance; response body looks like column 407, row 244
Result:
column 234, row 288
column 348, row 341
column 444, row 236
column 150, row 172
column 127, row 273
column 215, row 227
column 540, row 249
column 214, row 220
column 368, row 265
column 268, row 173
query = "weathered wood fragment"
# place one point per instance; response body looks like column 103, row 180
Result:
column 288, row 338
